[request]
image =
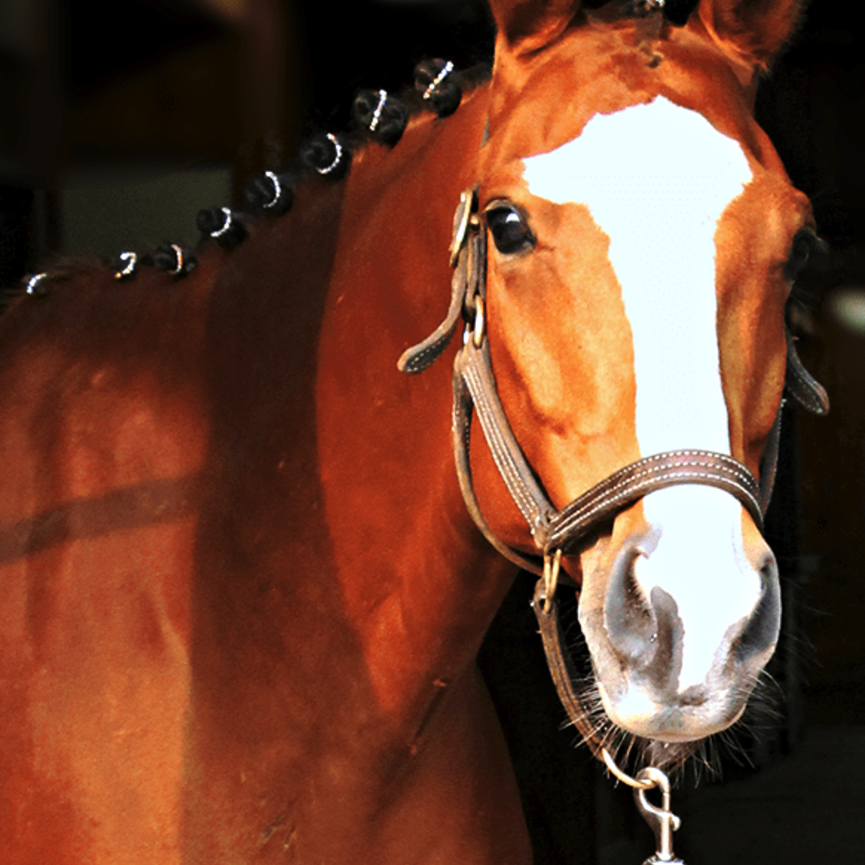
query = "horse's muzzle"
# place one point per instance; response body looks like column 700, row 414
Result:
column 678, row 636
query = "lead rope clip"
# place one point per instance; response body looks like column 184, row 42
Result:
column 662, row 821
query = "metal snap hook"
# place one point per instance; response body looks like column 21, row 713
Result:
column 662, row 821
column 461, row 224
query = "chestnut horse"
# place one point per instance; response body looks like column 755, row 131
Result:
column 242, row 593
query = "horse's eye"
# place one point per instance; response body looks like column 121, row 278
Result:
column 509, row 228
column 804, row 243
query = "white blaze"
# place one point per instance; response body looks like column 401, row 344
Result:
column 656, row 179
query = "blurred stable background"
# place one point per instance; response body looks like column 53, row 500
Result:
column 119, row 121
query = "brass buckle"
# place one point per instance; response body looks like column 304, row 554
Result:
column 552, row 566
column 462, row 217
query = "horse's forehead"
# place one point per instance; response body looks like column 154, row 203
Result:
column 657, row 179
column 653, row 157
column 597, row 72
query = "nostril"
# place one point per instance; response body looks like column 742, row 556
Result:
column 628, row 617
column 768, row 569
column 761, row 630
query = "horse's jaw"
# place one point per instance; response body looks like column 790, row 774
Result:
column 679, row 617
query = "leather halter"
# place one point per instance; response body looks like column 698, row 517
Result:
column 475, row 389
column 558, row 531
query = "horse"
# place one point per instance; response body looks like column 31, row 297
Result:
column 243, row 588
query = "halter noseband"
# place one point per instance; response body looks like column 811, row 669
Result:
column 556, row 531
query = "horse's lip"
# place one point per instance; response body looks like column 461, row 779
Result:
column 671, row 724
column 675, row 738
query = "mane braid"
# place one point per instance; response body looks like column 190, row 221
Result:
column 378, row 118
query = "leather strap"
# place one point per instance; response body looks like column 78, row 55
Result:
column 801, row 385
column 638, row 479
column 474, row 366
column 509, row 452
column 465, row 266
column 562, row 668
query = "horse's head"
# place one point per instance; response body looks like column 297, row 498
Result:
column 642, row 237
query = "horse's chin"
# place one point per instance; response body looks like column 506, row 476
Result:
column 671, row 722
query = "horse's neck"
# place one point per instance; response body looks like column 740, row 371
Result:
column 240, row 525
column 412, row 569
column 333, row 532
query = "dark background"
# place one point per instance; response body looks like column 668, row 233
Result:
column 170, row 106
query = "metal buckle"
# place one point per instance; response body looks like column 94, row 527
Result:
column 462, row 216
column 552, row 566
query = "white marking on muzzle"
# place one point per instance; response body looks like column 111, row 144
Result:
column 656, row 179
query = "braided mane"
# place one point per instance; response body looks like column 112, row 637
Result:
column 378, row 118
